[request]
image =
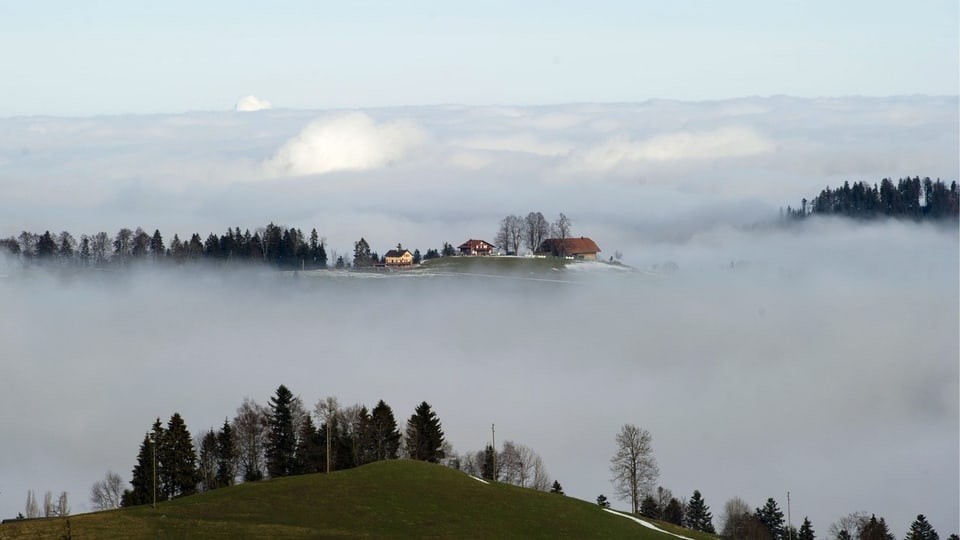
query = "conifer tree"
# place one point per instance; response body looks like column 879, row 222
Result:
column 145, row 474
column 698, row 515
column 177, row 460
column 227, row 455
column 207, row 461
column 806, row 530
column 424, row 435
column 282, row 440
column 311, row 451
column 875, row 529
column 921, row 529
column 602, row 501
column 386, row 436
column 673, row 512
column 649, row 507
column 772, row 518
column 486, row 468
column 557, row 488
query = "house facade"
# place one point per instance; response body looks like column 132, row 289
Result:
column 476, row 247
column 398, row 257
column 575, row 248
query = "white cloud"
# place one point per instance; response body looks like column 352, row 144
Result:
column 346, row 142
column 252, row 103
column 724, row 142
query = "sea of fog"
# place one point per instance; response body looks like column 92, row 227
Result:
column 819, row 359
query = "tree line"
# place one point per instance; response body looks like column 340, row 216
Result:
column 272, row 441
column 909, row 198
column 767, row 523
column 530, row 231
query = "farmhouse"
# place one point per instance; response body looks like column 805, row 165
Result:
column 398, row 257
column 576, row 248
column 476, row 247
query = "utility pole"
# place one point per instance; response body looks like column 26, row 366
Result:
column 153, row 443
column 789, row 523
column 493, row 438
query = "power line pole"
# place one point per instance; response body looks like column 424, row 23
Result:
column 789, row 523
column 493, row 438
column 153, row 443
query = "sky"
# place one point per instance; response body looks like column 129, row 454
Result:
column 825, row 363
column 112, row 57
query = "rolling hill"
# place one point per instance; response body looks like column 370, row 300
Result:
column 388, row 499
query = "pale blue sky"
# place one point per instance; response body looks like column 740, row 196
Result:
column 109, row 57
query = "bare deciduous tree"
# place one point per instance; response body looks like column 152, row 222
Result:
column 49, row 510
column 535, row 230
column 734, row 518
column 519, row 465
column 250, row 428
column 62, row 508
column 633, row 466
column 105, row 494
column 32, row 509
column 852, row 523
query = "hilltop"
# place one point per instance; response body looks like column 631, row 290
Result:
column 395, row 498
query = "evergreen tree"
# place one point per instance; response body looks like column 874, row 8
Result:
column 386, row 436
column 602, row 501
column 424, row 435
column 489, row 462
column 806, row 530
column 417, row 258
column 556, row 488
column 311, row 451
column 227, row 455
column 772, row 518
column 282, row 440
column 875, row 530
column 362, row 255
column 673, row 512
column 921, row 529
column 207, row 461
column 145, row 472
column 177, row 460
column 649, row 507
column 844, row 535
column 698, row 515
column 448, row 250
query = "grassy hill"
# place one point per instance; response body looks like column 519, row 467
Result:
column 395, row 499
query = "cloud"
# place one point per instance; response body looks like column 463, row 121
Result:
column 345, row 142
column 725, row 142
column 252, row 103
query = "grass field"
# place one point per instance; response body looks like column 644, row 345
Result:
column 389, row 499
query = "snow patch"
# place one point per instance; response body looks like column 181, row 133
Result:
column 645, row 524
column 481, row 480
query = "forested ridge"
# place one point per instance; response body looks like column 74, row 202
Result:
column 908, row 198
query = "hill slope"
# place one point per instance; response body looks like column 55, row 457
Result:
column 399, row 499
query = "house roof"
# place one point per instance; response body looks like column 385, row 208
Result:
column 396, row 253
column 474, row 244
column 569, row 246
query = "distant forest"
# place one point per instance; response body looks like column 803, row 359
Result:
column 909, row 198
column 281, row 247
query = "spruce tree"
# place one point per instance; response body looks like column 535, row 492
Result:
column 921, row 529
column 772, row 518
column 673, row 512
column 875, row 530
column 208, row 461
column 424, row 435
column 698, row 515
column 310, row 453
column 806, row 530
column 602, row 501
column 386, row 436
column 144, row 472
column 557, row 488
column 649, row 507
column 177, row 460
column 227, row 456
column 489, row 461
column 282, row 440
